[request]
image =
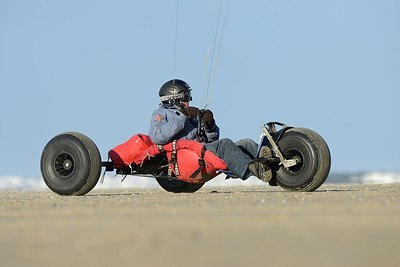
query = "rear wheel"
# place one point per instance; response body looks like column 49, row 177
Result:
column 178, row 186
column 71, row 164
column 313, row 160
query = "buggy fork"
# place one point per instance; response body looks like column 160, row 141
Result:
column 267, row 130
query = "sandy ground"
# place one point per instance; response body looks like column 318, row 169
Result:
column 339, row 225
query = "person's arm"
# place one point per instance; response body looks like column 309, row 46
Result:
column 211, row 128
column 213, row 134
column 164, row 126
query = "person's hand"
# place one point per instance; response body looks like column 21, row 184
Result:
column 208, row 118
column 191, row 112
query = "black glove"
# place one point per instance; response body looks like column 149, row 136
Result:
column 208, row 118
column 191, row 112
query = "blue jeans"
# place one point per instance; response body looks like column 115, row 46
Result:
column 237, row 155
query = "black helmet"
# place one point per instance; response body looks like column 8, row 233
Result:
column 174, row 92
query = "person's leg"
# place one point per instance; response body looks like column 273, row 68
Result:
column 236, row 160
column 248, row 146
column 240, row 157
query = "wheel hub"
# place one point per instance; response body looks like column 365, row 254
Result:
column 297, row 157
column 64, row 165
column 67, row 164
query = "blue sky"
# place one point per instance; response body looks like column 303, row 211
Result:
column 96, row 67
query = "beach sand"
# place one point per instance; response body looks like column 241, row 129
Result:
column 338, row 225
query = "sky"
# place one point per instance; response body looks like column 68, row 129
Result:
column 96, row 67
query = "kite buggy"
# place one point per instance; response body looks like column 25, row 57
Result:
column 298, row 159
column 71, row 163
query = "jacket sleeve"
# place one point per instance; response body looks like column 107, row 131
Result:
column 213, row 134
column 165, row 125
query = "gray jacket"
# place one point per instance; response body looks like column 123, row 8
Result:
column 168, row 123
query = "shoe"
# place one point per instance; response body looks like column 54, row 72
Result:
column 258, row 167
column 265, row 152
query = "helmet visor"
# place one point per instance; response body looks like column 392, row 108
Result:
column 187, row 96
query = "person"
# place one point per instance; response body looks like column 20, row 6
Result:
column 175, row 119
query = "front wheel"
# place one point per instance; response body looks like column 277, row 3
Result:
column 71, row 164
column 313, row 160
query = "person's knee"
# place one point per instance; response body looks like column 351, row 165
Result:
column 226, row 142
column 245, row 141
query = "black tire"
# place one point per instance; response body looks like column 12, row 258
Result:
column 178, row 186
column 71, row 164
column 310, row 149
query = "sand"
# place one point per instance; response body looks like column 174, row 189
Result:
column 338, row 225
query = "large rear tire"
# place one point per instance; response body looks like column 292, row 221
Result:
column 313, row 157
column 71, row 164
column 177, row 186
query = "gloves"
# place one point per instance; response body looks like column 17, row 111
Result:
column 208, row 118
column 191, row 112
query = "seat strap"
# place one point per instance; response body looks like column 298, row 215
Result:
column 202, row 163
column 174, row 161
